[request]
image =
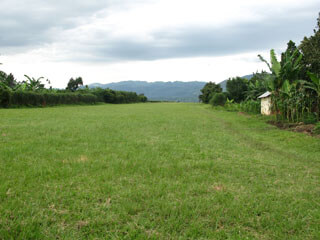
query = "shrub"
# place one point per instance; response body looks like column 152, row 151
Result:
column 316, row 130
column 109, row 96
column 310, row 118
column 28, row 98
column 5, row 97
column 218, row 99
column 251, row 106
column 208, row 91
column 142, row 98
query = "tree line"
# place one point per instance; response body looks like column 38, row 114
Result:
column 293, row 80
column 32, row 92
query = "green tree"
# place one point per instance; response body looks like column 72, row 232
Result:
column 3, row 77
column 310, row 48
column 74, row 84
column 292, row 63
column 218, row 99
column 208, row 91
column 11, row 81
column 237, row 88
column 257, row 85
column 291, row 67
column 109, row 96
column 142, row 98
column 5, row 90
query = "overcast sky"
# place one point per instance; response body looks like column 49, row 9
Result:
column 151, row 40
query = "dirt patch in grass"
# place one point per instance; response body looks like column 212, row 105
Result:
column 79, row 159
column 307, row 128
column 244, row 114
column 218, row 188
column 296, row 127
column 82, row 158
column 82, row 224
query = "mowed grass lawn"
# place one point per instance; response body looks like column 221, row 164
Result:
column 154, row 171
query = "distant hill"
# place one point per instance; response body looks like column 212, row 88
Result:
column 159, row 91
column 223, row 84
column 162, row 91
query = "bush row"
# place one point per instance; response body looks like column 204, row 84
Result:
column 112, row 96
column 26, row 98
column 249, row 106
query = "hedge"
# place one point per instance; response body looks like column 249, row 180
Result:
column 25, row 98
column 28, row 98
column 111, row 96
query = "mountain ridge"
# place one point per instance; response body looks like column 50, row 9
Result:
column 159, row 91
column 162, row 91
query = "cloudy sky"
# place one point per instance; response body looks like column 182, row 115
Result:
column 151, row 40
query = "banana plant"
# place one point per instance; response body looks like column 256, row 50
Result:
column 315, row 86
column 230, row 101
column 282, row 82
column 276, row 82
column 4, row 86
column 275, row 66
column 287, row 94
column 289, row 70
column 32, row 84
column 291, row 66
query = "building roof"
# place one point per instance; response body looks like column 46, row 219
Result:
column 266, row 94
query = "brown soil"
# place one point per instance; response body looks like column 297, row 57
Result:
column 295, row 127
column 244, row 114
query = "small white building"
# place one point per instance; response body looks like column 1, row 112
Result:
column 266, row 103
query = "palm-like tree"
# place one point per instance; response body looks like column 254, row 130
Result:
column 32, row 84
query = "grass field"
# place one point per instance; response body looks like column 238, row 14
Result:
column 157, row 171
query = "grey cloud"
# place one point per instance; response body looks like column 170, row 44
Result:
column 32, row 22
column 36, row 22
column 195, row 41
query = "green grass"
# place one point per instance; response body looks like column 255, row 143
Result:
column 157, row 171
